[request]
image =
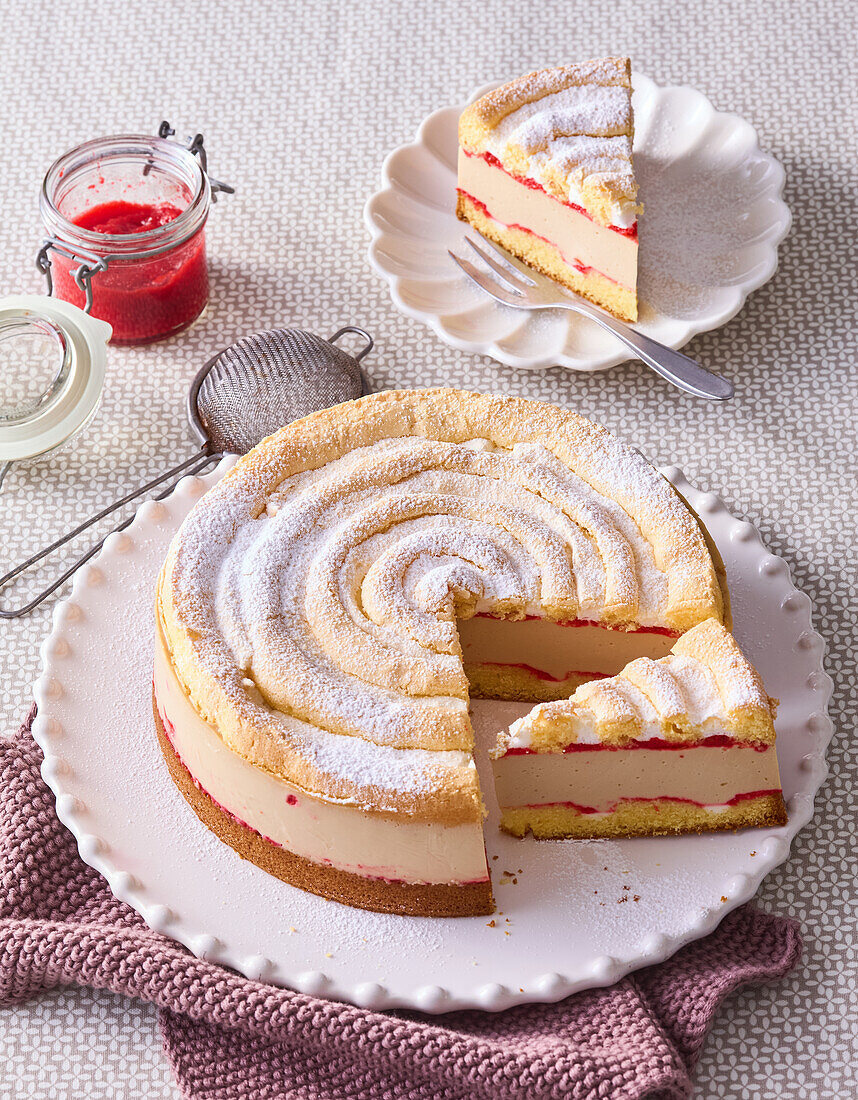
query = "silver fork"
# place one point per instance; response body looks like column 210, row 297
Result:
column 515, row 288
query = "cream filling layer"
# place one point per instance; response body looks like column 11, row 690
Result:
column 554, row 650
column 599, row 779
column 341, row 835
column 580, row 241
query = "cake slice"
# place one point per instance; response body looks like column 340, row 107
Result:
column 681, row 744
column 545, row 171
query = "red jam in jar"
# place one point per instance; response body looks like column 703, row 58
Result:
column 132, row 210
column 127, row 217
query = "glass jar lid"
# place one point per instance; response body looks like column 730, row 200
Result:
column 52, row 366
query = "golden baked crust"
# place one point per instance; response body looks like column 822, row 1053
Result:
column 750, row 712
column 378, row 895
column 484, row 115
column 658, row 817
column 705, row 685
column 353, row 500
column 570, row 128
column 493, row 681
column 545, row 258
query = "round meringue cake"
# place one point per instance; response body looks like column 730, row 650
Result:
column 326, row 611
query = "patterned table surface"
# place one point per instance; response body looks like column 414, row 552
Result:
column 299, row 103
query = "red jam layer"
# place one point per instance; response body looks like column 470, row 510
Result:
column 542, row 675
column 576, row 264
column 291, row 800
column 716, row 741
column 744, row 797
column 143, row 298
column 490, row 158
column 663, row 630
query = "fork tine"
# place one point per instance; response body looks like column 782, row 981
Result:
column 507, row 271
column 484, row 282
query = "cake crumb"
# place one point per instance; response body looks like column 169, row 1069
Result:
column 505, row 932
column 292, row 929
column 329, row 954
column 494, row 857
column 622, row 899
column 637, row 897
column 753, row 853
column 491, row 924
column 723, row 898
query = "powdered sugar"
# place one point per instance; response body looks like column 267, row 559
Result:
column 581, row 109
column 328, row 618
column 679, row 696
column 581, row 135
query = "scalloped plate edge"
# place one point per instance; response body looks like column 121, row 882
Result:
column 623, row 355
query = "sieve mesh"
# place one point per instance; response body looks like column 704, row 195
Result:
column 264, row 381
column 245, row 393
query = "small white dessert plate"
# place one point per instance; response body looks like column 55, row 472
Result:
column 572, row 914
column 713, row 218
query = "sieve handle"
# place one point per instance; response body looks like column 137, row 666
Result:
column 190, row 466
column 367, row 348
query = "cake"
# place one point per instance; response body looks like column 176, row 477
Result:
column 326, row 611
column 545, row 171
column 681, row 744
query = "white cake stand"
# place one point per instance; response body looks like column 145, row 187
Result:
column 572, row 914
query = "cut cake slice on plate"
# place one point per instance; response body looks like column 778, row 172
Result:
column 545, row 171
column 682, row 744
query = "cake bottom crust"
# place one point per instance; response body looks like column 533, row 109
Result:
column 379, row 895
column 546, row 259
column 519, row 685
column 658, row 817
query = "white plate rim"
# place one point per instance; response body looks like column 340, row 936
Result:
column 55, row 683
column 692, row 328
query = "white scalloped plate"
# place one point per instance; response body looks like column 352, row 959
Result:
column 713, row 218
column 582, row 913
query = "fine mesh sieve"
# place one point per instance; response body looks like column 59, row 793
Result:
column 265, row 381
column 245, row 393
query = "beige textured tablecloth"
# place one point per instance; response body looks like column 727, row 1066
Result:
column 299, row 104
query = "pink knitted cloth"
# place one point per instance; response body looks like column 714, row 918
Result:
column 229, row 1038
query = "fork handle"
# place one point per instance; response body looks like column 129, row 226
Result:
column 683, row 372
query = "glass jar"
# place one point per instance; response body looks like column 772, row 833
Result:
column 125, row 218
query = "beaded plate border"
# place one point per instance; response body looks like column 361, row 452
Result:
column 132, row 825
